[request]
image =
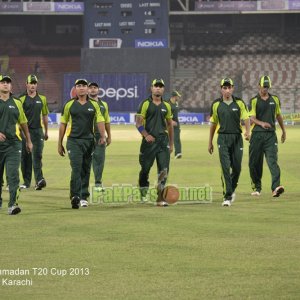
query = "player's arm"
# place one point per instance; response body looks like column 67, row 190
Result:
column 171, row 133
column 139, row 124
column 45, row 122
column 61, row 134
column 281, row 124
column 107, row 129
column 212, row 131
column 25, row 130
column 101, row 129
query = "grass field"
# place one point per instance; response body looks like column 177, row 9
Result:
column 133, row 251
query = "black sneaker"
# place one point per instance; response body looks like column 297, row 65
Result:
column 75, row 202
column 41, row 184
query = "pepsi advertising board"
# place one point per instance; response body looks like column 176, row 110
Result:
column 126, row 23
column 122, row 91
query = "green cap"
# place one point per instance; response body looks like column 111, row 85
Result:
column 5, row 78
column 265, row 81
column 226, row 81
column 81, row 81
column 158, row 82
column 175, row 93
column 32, row 78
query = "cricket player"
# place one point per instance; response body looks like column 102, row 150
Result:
column 225, row 117
column 264, row 111
column 154, row 122
column 11, row 117
column 80, row 113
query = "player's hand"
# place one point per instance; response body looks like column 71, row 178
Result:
column 61, row 150
column 2, row 137
column 283, row 137
column 149, row 138
column 210, row 148
column 46, row 136
column 171, row 148
column 29, row 146
column 174, row 123
column 102, row 141
column 247, row 136
column 108, row 141
column 265, row 125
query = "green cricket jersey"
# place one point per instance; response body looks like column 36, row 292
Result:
column 11, row 114
column 81, row 118
column 265, row 110
column 33, row 108
column 104, row 112
column 228, row 117
column 175, row 109
column 155, row 116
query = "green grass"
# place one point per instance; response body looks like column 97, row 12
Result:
column 248, row 251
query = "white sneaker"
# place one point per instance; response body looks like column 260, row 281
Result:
column 84, row 203
column 14, row 210
column 226, row 203
column 162, row 203
column 256, row 193
column 178, row 156
column 23, row 186
column 233, row 197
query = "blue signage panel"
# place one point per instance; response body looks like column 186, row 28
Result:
column 119, row 118
column 191, row 118
column 159, row 43
column 122, row 91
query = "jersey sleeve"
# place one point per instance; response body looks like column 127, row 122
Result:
column 65, row 115
column 45, row 110
column 278, row 106
column 106, row 114
column 22, row 118
column 253, row 102
column 142, row 109
column 244, row 110
column 214, row 113
column 98, row 117
column 169, row 115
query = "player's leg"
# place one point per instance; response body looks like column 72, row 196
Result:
column 256, row 160
column 37, row 154
column 26, row 165
column 146, row 160
column 88, row 149
column 12, row 164
column 98, row 163
column 163, row 164
column 271, row 153
column 236, row 159
column 2, row 160
column 75, row 153
column 177, row 142
column 224, row 156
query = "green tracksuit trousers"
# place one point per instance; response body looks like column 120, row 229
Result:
column 80, row 153
column 230, row 154
column 177, row 141
column 98, row 161
column 33, row 159
column 263, row 144
column 158, row 150
column 10, row 158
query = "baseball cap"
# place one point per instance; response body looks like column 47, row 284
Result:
column 32, row 79
column 265, row 81
column 175, row 93
column 226, row 81
column 5, row 78
column 157, row 82
column 81, row 81
column 93, row 84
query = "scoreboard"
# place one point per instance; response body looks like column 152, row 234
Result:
column 126, row 24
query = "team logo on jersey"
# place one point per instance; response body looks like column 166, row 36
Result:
column 38, row 101
column 164, row 110
column 272, row 103
column 90, row 109
column 235, row 109
column 11, row 106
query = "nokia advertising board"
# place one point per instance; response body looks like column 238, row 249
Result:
column 126, row 24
